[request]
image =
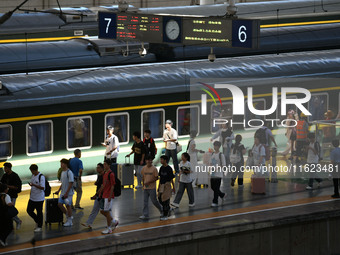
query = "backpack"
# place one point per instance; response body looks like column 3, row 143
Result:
column 117, row 189
column 47, row 189
column 235, row 157
column 261, row 134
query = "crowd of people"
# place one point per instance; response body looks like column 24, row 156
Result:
column 227, row 150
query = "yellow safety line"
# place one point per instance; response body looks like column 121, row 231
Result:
column 262, row 26
column 301, row 23
column 67, row 114
column 40, row 39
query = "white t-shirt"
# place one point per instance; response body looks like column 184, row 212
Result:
column 66, row 178
column 172, row 134
column 311, row 157
column 259, row 151
column 112, row 142
column 7, row 198
column 186, row 178
column 37, row 195
column 217, row 159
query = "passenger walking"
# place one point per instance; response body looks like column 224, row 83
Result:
column 150, row 145
column 66, row 189
column 170, row 138
column 185, row 182
column 236, row 158
column 226, row 137
column 6, row 223
column 37, row 197
column 107, row 195
column 259, row 156
column 149, row 177
column 139, row 150
column 96, row 198
column 217, row 162
column 13, row 182
column 335, row 160
column 112, row 145
column 290, row 133
column 301, row 136
column 313, row 156
column 192, row 151
column 166, row 176
column 76, row 166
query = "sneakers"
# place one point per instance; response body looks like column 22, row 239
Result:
column 192, row 205
column 214, row 205
column 139, row 187
column 114, row 224
column 3, row 244
column 143, row 217
column 240, row 186
column 107, row 231
column 19, row 225
column 68, row 223
column 164, row 218
column 309, row 188
column 174, row 204
column 86, row 225
column 79, row 208
column 335, row 196
column 36, row 230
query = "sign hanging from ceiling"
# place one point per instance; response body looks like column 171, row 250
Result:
column 185, row 30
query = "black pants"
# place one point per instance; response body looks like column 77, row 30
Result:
column 38, row 218
column 166, row 206
column 336, row 186
column 215, row 186
column 6, row 227
column 113, row 160
column 238, row 173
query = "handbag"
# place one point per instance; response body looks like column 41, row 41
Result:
column 178, row 147
column 12, row 211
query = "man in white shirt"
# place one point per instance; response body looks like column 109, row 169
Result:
column 170, row 139
column 218, row 161
column 37, row 197
column 112, row 145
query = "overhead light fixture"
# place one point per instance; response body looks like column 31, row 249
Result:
column 142, row 51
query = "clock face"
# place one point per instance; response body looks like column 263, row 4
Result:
column 172, row 29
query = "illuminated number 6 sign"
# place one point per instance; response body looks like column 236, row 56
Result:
column 242, row 33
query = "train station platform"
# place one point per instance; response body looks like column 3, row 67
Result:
column 286, row 220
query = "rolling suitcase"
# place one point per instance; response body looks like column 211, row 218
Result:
column 53, row 212
column 202, row 175
column 125, row 174
column 258, row 185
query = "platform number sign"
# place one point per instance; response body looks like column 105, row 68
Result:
column 242, row 33
column 107, row 25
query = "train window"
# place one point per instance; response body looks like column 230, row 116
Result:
column 39, row 137
column 79, row 133
column 5, row 142
column 153, row 120
column 217, row 111
column 317, row 106
column 121, row 124
column 259, row 104
column 187, row 119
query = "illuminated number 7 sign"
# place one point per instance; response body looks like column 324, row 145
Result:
column 107, row 25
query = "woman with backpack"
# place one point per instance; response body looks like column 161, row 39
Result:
column 236, row 158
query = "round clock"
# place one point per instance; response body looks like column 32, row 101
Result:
column 172, row 29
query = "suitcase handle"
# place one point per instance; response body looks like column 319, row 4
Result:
column 129, row 163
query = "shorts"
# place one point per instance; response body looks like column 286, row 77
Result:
column 67, row 201
column 105, row 205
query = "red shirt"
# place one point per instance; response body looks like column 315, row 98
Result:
column 110, row 182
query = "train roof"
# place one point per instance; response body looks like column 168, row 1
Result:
column 82, row 85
